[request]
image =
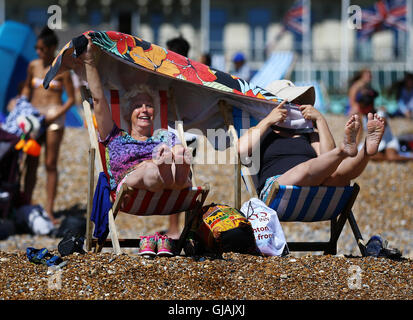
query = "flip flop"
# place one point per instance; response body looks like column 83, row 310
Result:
column 43, row 256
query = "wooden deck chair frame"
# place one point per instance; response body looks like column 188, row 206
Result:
column 337, row 224
column 94, row 161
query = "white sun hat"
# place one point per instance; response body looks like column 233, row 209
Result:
column 286, row 90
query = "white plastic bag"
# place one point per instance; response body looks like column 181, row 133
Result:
column 268, row 232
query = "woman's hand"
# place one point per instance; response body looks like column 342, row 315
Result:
column 310, row 113
column 278, row 114
column 252, row 138
column 92, row 54
column 50, row 117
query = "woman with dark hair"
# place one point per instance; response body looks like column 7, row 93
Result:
column 360, row 85
column 50, row 104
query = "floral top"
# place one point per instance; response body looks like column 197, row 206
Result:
column 123, row 152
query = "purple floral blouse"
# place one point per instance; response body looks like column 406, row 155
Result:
column 123, row 152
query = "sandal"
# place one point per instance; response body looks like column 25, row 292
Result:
column 43, row 256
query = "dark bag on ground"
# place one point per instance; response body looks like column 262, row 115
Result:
column 221, row 228
column 379, row 248
column 72, row 242
column 6, row 228
column 74, row 224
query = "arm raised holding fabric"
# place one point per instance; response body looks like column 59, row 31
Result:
column 322, row 140
column 249, row 141
column 100, row 104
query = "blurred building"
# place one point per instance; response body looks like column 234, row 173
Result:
column 225, row 27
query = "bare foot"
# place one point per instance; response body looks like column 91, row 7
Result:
column 163, row 159
column 375, row 130
column 351, row 129
column 183, row 159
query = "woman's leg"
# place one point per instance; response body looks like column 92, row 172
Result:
column 163, row 159
column 351, row 168
column 182, row 166
column 53, row 142
column 148, row 175
column 162, row 171
column 313, row 172
column 173, row 229
column 30, row 177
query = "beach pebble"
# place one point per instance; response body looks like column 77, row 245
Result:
column 301, row 275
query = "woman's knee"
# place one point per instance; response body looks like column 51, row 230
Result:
column 51, row 165
column 178, row 152
column 178, row 148
column 146, row 175
column 337, row 180
column 299, row 175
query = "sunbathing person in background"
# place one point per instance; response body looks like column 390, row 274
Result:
column 137, row 158
column 50, row 104
column 309, row 159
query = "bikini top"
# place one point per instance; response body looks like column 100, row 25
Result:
column 54, row 84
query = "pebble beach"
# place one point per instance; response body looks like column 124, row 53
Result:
column 384, row 206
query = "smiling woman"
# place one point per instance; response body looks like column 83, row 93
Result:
column 137, row 96
column 137, row 158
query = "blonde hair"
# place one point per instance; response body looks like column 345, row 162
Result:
column 126, row 101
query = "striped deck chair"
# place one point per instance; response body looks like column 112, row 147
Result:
column 142, row 202
column 305, row 204
column 278, row 66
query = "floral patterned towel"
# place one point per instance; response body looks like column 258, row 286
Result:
column 197, row 88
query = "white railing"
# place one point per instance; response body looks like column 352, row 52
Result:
column 329, row 73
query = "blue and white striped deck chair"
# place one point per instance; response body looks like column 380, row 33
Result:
column 277, row 67
column 306, row 204
column 315, row 204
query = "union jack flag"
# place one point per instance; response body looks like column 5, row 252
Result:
column 293, row 20
column 385, row 14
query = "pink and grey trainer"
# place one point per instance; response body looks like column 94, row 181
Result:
column 147, row 245
column 164, row 245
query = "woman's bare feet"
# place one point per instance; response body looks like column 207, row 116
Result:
column 182, row 159
column 164, row 159
column 375, row 131
column 349, row 145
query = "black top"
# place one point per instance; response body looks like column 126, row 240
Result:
column 279, row 154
